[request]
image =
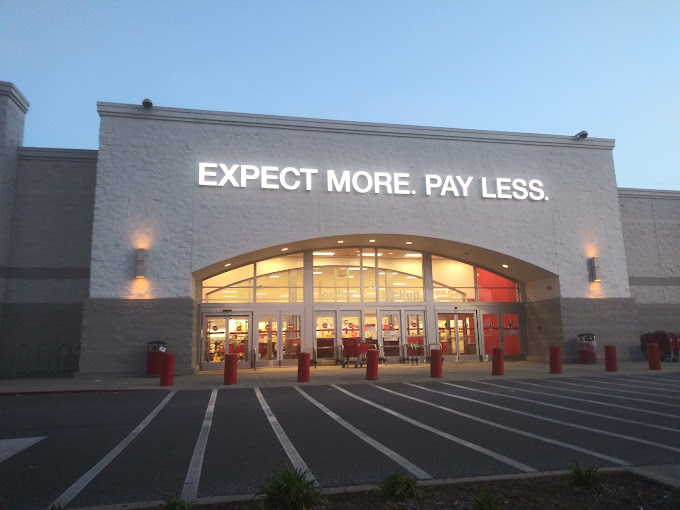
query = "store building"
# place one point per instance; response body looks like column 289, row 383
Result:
column 266, row 236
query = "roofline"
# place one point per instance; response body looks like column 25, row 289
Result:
column 9, row 89
column 348, row 127
column 649, row 193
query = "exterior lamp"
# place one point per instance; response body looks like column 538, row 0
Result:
column 594, row 269
column 141, row 263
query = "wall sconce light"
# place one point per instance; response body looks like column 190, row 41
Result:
column 594, row 269
column 141, row 263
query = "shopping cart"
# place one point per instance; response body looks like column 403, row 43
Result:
column 354, row 351
column 381, row 355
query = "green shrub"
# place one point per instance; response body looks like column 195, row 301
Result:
column 399, row 486
column 173, row 503
column 290, row 489
column 586, row 477
column 485, row 501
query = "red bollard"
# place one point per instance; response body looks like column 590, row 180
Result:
column 230, row 361
column 436, row 362
column 372, row 365
column 653, row 356
column 497, row 361
column 555, row 360
column 167, row 369
column 303, row 367
column 610, row 358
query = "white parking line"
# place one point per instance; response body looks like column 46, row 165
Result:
column 190, row 488
column 504, row 427
column 610, row 383
column 560, row 422
column 403, row 462
column 590, row 392
column 293, row 455
column 654, row 381
column 571, row 409
column 647, row 385
column 82, row 482
column 472, row 446
column 637, row 410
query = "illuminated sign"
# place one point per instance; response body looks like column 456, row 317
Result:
column 397, row 183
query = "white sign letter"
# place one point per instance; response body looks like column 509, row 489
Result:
column 228, row 175
column 536, row 188
column 382, row 179
column 485, row 194
column 249, row 173
column 282, row 177
column 464, row 184
column 267, row 176
column 401, row 181
column 203, row 173
column 334, row 184
column 432, row 181
column 308, row 176
column 503, row 185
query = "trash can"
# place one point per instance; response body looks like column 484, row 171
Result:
column 154, row 358
column 586, row 348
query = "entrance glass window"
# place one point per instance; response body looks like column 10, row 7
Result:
column 415, row 334
column 370, row 327
column 325, row 336
column 391, row 339
column 223, row 334
column 457, row 335
column 385, row 290
column 291, row 335
column 267, row 332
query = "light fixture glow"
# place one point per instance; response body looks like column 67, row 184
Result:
column 227, row 265
column 414, row 255
column 284, row 249
column 318, row 272
column 324, row 253
column 274, row 276
column 141, row 263
column 505, row 266
column 340, row 242
column 371, row 240
column 409, row 242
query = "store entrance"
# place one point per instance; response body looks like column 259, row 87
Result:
column 222, row 334
column 501, row 329
column 458, row 335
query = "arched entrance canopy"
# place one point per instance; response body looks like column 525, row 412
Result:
column 494, row 261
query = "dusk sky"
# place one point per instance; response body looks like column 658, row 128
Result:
column 611, row 68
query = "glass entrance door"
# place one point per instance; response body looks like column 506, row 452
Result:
column 325, row 337
column 267, row 344
column 223, row 334
column 390, row 334
column 415, row 334
column 458, row 335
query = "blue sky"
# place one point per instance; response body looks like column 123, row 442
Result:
column 609, row 67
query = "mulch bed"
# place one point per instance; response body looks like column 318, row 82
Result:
column 619, row 491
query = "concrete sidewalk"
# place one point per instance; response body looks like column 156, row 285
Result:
column 324, row 375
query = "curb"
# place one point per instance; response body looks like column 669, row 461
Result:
column 352, row 489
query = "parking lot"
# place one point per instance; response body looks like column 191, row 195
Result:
column 87, row 449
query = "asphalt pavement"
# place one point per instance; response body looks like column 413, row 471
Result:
column 126, row 442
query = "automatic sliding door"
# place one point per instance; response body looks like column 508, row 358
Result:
column 391, row 337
